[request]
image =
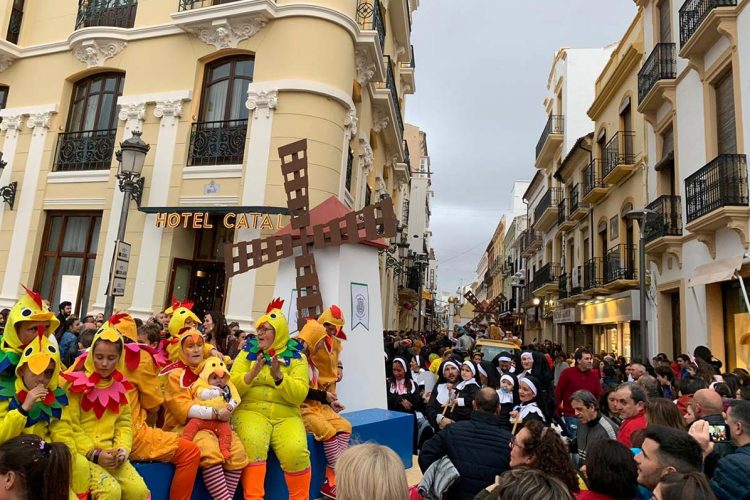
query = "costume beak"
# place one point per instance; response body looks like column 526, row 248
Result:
column 39, row 363
column 40, row 317
column 220, row 372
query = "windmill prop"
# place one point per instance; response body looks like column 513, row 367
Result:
column 483, row 310
column 370, row 223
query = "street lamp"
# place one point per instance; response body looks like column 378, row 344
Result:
column 131, row 157
column 641, row 216
column 7, row 193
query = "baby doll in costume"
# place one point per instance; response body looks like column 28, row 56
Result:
column 217, row 391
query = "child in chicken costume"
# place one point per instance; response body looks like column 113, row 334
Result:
column 270, row 374
column 214, row 396
column 37, row 405
column 102, row 419
column 328, row 360
column 319, row 417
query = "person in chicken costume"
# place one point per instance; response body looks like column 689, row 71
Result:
column 102, row 418
column 21, row 328
column 141, row 368
column 271, row 377
column 320, row 411
column 328, row 360
column 220, row 475
column 37, row 405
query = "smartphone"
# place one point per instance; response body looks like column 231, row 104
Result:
column 719, row 433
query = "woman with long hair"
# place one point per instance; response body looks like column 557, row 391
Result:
column 664, row 412
column 611, row 472
column 35, row 469
column 678, row 486
column 217, row 332
column 541, row 448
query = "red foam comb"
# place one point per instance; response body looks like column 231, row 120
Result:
column 34, row 295
column 336, row 312
column 176, row 304
column 276, row 303
column 40, row 334
column 117, row 317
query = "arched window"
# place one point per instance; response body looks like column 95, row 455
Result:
column 89, row 139
column 218, row 138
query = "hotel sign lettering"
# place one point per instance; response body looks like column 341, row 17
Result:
column 230, row 220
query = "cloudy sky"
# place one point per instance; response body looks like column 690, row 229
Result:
column 481, row 74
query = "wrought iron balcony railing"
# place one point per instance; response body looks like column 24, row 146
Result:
column 668, row 218
column 573, row 197
column 592, row 177
column 390, row 83
column 660, row 65
column 694, row 12
column 369, row 18
column 546, row 274
column 217, row 143
column 619, row 263
column 592, row 273
column 576, row 281
column 554, row 126
column 116, row 13
column 562, row 286
column 550, row 199
column 721, row 183
column 87, row 150
column 199, row 4
column 619, row 151
column 561, row 213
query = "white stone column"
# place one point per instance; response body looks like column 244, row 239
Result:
column 132, row 113
column 169, row 111
column 11, row 125
column 39, row 122
column 261, row 102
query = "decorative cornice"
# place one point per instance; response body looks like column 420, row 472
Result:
column 133, row 115
column 94, row 52
column 222, row 34
column 5, row 62
column 365, row 69
column 350, row 124
column 380, row 121
column 366, row 155
column 39, row 120
column 11, row 125
column 169, row 111
column 262, row 99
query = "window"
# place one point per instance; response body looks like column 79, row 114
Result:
column 667, row 181
column 218, row 138
column 349, row 168
column 14, row 25
column 726, row 128
column 66, row 263
column 117, row 13
column 89, row 139
column 4, row 96
column 665, row 22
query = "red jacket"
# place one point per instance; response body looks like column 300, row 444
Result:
column 573, row 379
column 629, row 426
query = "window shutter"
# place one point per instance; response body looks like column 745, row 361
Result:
column 667, row 142
column 725, row 124
column 665, row 23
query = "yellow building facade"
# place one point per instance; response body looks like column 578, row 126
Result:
column 216, row 87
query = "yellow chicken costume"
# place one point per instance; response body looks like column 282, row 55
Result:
column 327, row 360
column 269, row 414
column 182, row 317
column 221, row 476
column 320, row 419
column 49, row 418
column 102, row 422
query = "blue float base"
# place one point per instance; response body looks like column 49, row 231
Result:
column 391, row 429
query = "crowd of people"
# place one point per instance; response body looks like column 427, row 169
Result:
column 595, row 425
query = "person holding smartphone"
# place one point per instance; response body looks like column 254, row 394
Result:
column 707, row 405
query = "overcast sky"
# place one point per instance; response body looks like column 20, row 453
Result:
column 481, row 75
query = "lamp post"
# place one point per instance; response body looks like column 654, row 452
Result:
column 641, row 216
column 131, row 157
column 7, row 193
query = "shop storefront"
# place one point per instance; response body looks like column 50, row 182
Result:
column 614, row 321
column 736, row 324
column 572, row 334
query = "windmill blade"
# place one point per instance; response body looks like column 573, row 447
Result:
column 309, row 298
column 469, row 295
column 294, row 169
column 246, row 255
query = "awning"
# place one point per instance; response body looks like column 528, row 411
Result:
column 224, row 209
column 715, row 272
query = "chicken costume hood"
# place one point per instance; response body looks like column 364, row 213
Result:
column 284, row 347
column 334, row 316
column 30, row 307
column 215, row 366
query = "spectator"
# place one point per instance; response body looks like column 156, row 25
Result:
column 611, row 472
column 35, row 469
column 216, row 331
column 3, row 318
column 666, row 450
column 729, row 480
column 580, row 377
column 149, row 334
column 85, row 338
column 526, row 484
column 65, row 309
column 683, row 360
column 688, row 386
column 665, row 377
column 610, row 375
column 608, row 404
column 679, row 486
column 370, row 471
column 637, row 370
column 594, row 426
column 478, row 447
column 743, row 376
column 650, row 386
column 67, row 340
column 744, row 393
column 664, row 412
column 707, row 405
column 541, row 448
column 631, row 406
column 440, row 410
column 733, row 381
column 561, row 364
column 703, row 353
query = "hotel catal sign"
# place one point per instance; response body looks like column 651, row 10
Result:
column 230, row 220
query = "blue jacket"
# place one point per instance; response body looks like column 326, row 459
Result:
column 730, row 479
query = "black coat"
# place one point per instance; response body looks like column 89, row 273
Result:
column 413, row 396
column 478, row 448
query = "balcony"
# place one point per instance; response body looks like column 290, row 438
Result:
column 594, row 189
column 577, row 210
column 400, row 22
column 562, row 286
column 593, row 275
column 200, row 4
column 702, row 23
column 87, row 150
column 545, row 213
column 656, row 79
column 576, row 281
column 370, row 18
column 217, row 143
column 663, row 231
column 546, row 279
column 531, row 241
column 551, row 139
column 717, row 197
column 619, row 157
column 116, row 13
column 619, row 268
column 564, row 222
column 507, row 307
column 507, row 267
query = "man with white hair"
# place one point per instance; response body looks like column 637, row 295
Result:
column 637, row 370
